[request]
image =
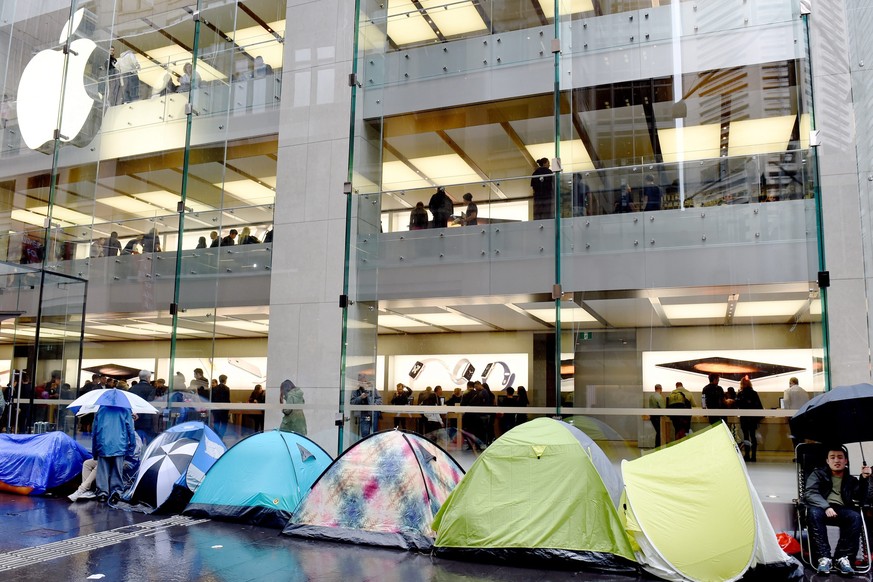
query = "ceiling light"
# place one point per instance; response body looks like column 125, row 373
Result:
column 249, row 191
column 257, row 42
column 446, row 169
column 130, row 205
column 406, row 25
column 35, row 219
column 398, row 321
column 568, row 315
column 170, row 202
column 444, row 319
column 760, row 136
column 695, row 311
column 574, row 156
column 454, row 18
column 65, row 214
column 769, row 308
column 698, row 142
column 399, row 176
column 567, row 7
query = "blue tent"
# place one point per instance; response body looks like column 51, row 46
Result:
column 260, row 480
column 171, row 468
column 30, row 464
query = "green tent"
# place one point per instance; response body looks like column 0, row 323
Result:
column 694, row 515
column 543, row 493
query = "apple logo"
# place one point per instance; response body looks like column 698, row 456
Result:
column 47, row 96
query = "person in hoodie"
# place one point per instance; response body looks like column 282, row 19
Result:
column 294, row 420
column 113, row 438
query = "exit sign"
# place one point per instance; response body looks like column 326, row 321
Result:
column 584, row 335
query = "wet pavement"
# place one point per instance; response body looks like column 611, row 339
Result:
column 58, row 540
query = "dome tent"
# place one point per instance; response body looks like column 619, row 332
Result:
column 171, row 468
column 383, row 491
column 260, row 480
column 543, row 493
column 700, row 520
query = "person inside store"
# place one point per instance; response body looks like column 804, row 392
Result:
column 151, row 242
column 651, row 195
column 542, row 185
column 189, row 79
column 713, row 397
column 98, row 247
column 748, row 399
column 261, row 69
column 247, row 238
column 201, row 243
column 133, row 246
column 229, row 240
column 401, row 397
column 625, row 200
column 215, row 240
column 680, row 398
column 268, row 238
column 144, row 425
column 220, row 394
column 418, row 217
column 656, row 402
column 581, row 193
column 113, row 246
column 200, row 384
column 293, row 419
column 507, row 419
column 258, row 396
column 471, row 215
column 441, row 207
column 368, row 420
column 832, row 493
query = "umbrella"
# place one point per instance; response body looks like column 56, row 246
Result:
column 839, row 416
column 91, row 401
column 160, row 471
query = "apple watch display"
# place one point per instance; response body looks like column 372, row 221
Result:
column 463, row 371
column 506, row 379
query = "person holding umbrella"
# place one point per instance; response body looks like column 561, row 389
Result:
column 831, row 492
column 113, row 438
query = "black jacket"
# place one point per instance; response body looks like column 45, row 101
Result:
column 819, row 484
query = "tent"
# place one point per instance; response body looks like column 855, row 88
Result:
column 31, row 464
column 172, row 467
column 543, row 493
column 260, row 480
column 384, row 490
column 693, row 513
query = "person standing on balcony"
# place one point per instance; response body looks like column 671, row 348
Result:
column 418, row 217
column 651, row 195
column 247, row 238
column 542, row 184
column 128, row 66
column 581, row 191
column 215, row 240
column 471, row 215
column 441, row 207
column 151, row 242
column 229, row 241
column 113, row 246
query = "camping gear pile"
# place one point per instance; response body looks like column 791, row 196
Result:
column 543, row 494
column 31, row 464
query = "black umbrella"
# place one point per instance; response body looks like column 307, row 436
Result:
column 842, row 415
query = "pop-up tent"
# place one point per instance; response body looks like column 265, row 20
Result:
column 694, row 515
column 384, row 491
column 31, row 464
column 171, row 469
column 543, row 493
column 260, row 480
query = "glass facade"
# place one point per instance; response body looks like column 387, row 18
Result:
column 585, row 199
column 138, row 170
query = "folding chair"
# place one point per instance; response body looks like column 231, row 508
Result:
column 810, row 456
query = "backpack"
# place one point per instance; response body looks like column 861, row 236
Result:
column 677, row 399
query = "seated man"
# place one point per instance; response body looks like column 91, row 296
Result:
column 831, row 492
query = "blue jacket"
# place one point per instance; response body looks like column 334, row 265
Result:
column 113, row 434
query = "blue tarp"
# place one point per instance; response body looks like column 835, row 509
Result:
column 38, row 462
